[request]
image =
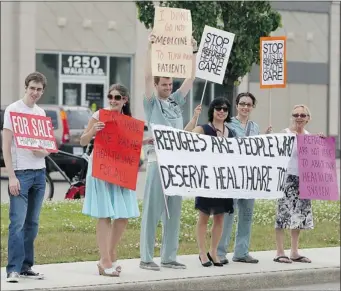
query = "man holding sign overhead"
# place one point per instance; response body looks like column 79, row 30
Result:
column 170, row 54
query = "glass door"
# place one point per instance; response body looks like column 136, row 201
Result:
column 72, row 94
column 94, row 95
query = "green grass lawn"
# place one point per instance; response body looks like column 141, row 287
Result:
column 66, row 235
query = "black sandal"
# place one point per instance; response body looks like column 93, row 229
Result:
column 278, row 260
column 301, row 260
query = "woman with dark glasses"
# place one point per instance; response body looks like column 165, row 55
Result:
column 292, row 212
column 218, row 114
column 111, row 204
column 243, row 126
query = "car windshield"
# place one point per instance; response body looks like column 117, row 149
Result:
column 78, row 119
column 53, row 115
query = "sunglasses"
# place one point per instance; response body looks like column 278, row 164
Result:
column 116, row 97
column 221, row 108
column 299, row 115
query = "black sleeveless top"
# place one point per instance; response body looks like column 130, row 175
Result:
column 209, row 130
column 213, row 206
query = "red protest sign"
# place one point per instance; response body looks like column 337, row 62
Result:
column 33, row 131
column 117, row 149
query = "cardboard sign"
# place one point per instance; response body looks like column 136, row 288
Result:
column 317, row 168
column 172, row 51
column 216, row 167
column 273, row 70
column 213, row 54
column 117, row 149
column 33, row 132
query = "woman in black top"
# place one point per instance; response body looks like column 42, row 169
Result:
column 218, row 114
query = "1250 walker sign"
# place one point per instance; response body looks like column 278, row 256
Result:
column 84, row 65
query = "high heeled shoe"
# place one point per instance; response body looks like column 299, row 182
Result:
column 117, row 267
column 207, row 264
column 109, row 272
column 216, row 264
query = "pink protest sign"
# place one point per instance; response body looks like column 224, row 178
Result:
column 317, row 167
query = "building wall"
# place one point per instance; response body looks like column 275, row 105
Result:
column 93, row 27
column 18, row 48
column 334, row 72
column 307, row 72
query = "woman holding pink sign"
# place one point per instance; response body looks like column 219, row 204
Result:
column 106, row 201
column 292, row 212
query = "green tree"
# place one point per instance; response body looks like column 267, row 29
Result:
column 248, row 20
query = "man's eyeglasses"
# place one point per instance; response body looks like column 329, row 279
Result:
column 302, row 115
column 243, row 104
column 116, row 97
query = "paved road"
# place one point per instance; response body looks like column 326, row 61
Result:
column 61, row 186
column 319, row 287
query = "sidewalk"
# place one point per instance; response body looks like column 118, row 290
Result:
column 234, row 276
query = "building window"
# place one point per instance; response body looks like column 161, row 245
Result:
column 227, row 92
column 47, row 64
column 198, row 88
column 120, row 71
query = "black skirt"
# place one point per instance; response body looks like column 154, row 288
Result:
column 214, row 206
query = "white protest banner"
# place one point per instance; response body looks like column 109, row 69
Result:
column 172, row 51
column 213, row 54
column 201, row 165
column 273, row 68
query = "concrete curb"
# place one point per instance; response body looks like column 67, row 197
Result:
column 247, row 281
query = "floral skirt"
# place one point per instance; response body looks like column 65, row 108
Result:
column 293, row 212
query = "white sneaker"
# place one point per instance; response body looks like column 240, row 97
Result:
column 12, row 277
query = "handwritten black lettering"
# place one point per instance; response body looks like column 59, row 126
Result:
column 281, row 178
column 115, row 156
column 285, row 148
column 112, row 171
column 213, row 53
column 184, row 176
column 221, row 145
column 253, row 178
column 273, row 59
column 167, row 40
column 170, row 140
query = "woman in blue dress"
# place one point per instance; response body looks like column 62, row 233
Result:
column 111, row 204
column 218, row 114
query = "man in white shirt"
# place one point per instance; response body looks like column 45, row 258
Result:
column 26, row 173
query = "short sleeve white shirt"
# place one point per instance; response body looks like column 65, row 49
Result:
column 23, row 159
